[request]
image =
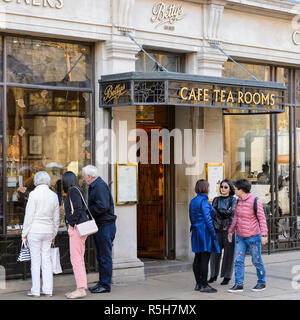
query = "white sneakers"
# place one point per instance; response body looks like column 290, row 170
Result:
column 30, row 294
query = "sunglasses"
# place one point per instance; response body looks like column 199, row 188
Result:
column 224, row 187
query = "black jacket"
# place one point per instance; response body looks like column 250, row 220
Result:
column 101, row 203
column 224, row 207
column 79, row 215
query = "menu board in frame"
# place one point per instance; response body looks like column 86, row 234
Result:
column 215, row 173
column 126, row 183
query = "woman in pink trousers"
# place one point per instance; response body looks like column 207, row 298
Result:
column 75, row 213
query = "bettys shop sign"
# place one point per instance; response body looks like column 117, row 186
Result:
column 58, row 4
column 163, row 13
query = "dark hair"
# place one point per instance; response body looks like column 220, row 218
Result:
column 202, row 186
column 243, row 184
column 69, row 180
column 231, row 186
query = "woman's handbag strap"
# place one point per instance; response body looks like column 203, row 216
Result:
column 83, row 202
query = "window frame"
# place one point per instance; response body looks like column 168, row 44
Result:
column 5, row 85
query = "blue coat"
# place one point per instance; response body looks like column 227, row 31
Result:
column 204, row 237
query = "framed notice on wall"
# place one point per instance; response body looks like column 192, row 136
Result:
column 215, row 173
column 126, row 183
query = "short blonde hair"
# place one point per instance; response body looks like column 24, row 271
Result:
column 42, row 177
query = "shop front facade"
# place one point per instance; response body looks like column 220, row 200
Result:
column 52, row 55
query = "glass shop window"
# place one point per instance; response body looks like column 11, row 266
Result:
column 283, row 127
column 247, row 139
column 46, row 131
column 298, row 142
column 45, row 62
column 172, row 62
column 261, row 72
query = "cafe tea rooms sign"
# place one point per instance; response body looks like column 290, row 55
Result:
column 163, row 13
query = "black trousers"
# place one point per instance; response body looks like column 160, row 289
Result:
column 228, row 256
column 200, row 267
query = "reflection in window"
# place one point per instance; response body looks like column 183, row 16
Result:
column 247, row 139
column 261, row 72
column 247, row 149
column 35, row 61
column 171, row 62
column 46, row 130
column 283, row 151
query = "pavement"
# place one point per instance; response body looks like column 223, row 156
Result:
column 283, row 283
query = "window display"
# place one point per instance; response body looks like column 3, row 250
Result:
column 46, row 131
column 247, row 139
column 247, row 152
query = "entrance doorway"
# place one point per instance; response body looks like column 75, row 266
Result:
column 150, row 209
column 155, row 214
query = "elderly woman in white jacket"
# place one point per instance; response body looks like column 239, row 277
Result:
column 40, row 227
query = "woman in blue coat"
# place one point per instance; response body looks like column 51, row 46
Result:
column 204, row 238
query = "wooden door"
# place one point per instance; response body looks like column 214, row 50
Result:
column 150, row 209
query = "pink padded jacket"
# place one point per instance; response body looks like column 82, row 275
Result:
column 245, row 222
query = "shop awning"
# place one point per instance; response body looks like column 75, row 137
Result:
column 234, row 96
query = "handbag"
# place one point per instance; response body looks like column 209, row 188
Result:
column 55, row 259
column 24, row 253
column 85, row 228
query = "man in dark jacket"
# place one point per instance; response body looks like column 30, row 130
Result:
column 101, row 206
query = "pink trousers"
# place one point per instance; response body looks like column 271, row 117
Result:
column 77, row 249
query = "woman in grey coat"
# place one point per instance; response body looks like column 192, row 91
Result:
column 224, row 207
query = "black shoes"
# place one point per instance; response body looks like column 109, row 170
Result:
column 212, row 279
column 198, row 287
column 98, row 289
column 225, row 281
column 94, row 287
column 205, row 288
column 208, row 289
column 259, row 287
column 236, row 288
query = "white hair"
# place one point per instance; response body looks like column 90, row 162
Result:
column 90, row 171
column 42, row 177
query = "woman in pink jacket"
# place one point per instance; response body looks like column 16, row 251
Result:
column 251, row 234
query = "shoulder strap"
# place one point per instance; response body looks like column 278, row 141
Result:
column 72, row 209
column 255, row 207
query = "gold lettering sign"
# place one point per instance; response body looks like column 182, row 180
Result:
column 166, row 13
column 114, row 93
column 58, row 4
column 224, row 96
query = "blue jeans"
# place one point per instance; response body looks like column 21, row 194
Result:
column 242, row 245
column 103, row 240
